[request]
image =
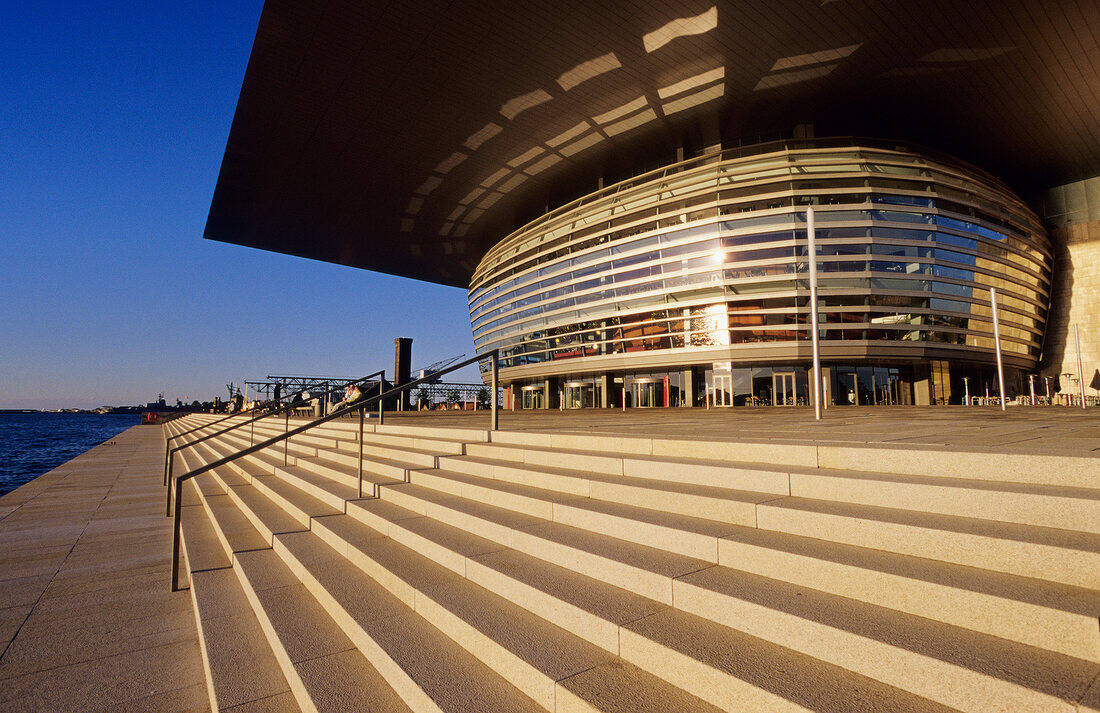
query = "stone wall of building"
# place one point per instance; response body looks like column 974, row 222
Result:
column 1072, row 213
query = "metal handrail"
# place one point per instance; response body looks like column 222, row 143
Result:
column 360, row 406
column 170, row 453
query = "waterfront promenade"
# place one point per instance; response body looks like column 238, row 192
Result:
column 87, row 621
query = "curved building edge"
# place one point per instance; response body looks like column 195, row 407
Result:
column 688, row 285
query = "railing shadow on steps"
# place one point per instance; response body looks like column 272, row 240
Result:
column 360, row 406
column 259, row 412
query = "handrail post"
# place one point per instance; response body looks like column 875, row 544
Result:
column 168, row 490
column 252, row 433
column 176, row 525
column 494, row 415
column 362, row 417
column 288, row 433
column 381, row 401
column 167, row 457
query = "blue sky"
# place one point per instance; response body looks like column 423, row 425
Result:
column 114, row 120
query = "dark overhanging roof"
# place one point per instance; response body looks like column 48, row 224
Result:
column 407, row 138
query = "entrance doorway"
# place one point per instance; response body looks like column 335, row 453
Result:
column 783, row 393
column 646, row 393
column 722, row 394
column 533, row 397
column 582, row 394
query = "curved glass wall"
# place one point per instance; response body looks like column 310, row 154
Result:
column 707, row 261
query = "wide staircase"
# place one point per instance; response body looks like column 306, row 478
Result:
column 518, row 571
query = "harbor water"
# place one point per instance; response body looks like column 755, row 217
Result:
column 35, row 443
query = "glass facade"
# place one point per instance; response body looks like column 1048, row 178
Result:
column 705, row 262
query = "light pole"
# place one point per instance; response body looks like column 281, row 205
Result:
column 997, row 343
column 1080, row 368
column 811, row 247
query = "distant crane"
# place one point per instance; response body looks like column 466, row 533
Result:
column 427, row 371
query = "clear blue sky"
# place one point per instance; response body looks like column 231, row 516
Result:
column 113, row 122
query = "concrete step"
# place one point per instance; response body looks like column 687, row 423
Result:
column 585, row 607
column 532, row 654
column 237, row 441
column 724, row 504
column 325, row 435
column 1068, row 628
column 1048, row 554
column 1078, row 636
column 669, row 449
column 293, row 501
column 384, row 435
column 521, row 498
column 879, row 458
column 264, row 515
column 958, row 668
column 325, row 670
column 343, row 469
column 340, row 464
column 442, row 634
column 253, row 464
column 648, row 571
column 383, row 558
column 1043, row 505
column 199, row 542
column 449, row 433
column 665, row 528
column 930, row 461
column 410, row 456
column 586, row 461
column 737, row 672
column 331, row 492
column 234, row 530
column 239, row 666
column 242, row 672
column 651, row 566
column 1051, row 616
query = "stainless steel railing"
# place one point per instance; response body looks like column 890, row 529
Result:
column 360, row 407
column 286, row 408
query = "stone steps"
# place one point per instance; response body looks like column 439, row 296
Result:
column 576, row 572
column 526, row 649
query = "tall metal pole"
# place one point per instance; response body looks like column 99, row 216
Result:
column 381, row 402
column 1031, row 387
column 494, row 415
column 811, row 247
column 997, row 343
column 1080, row 368
column 362, row 417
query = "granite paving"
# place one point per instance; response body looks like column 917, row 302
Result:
column 87, row 618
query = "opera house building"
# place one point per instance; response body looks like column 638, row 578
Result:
column 622, row 187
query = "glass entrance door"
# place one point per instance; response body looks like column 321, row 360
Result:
column 645, row 393
column 723, row 390
column 783, row 393
column 533, row 397
column 580, row 394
